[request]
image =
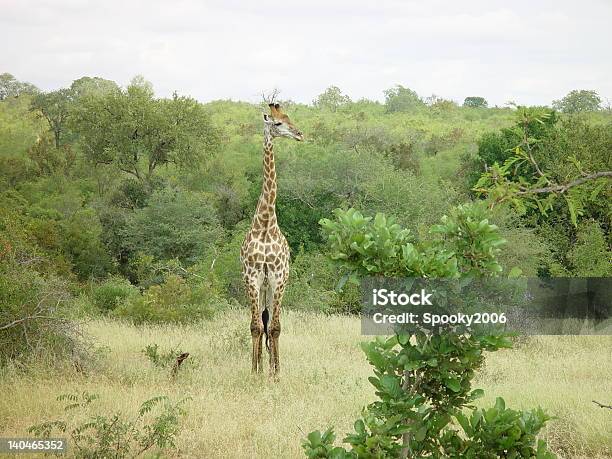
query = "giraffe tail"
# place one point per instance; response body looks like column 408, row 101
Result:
column 265, row 317
column 265, row 314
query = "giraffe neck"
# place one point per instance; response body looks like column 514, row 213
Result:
column 266, row 206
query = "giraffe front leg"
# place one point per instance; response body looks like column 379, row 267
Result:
column 256, row 328
column 256, row 336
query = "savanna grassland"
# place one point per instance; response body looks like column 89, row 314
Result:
column 323, row 382
column 121, row 219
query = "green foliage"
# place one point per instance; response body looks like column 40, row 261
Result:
column 54, row 106
column 11, row 87
column 423, row 380
column 331, row 99
column 161, row 359
column 34, row 292
column 312, row 287
column 117, row 435
column 499, row 432
column 173, row 301
column 401, row 99
column 33, row 321
column 175, row 224
column 469, row 244
column 138, row 133
column 81, row 242
column 92, row 86
column 591, row 256
column 553, row 172
column 422, row 383
column 579, row 101
column 107, row 295
column 475, row 102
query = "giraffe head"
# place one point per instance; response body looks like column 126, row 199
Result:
column 279, row 124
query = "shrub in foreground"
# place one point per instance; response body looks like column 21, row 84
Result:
column 117, row 435
column 423, row 380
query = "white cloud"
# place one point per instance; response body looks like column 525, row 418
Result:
column 531, row 52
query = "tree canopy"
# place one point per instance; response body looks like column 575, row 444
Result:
column 475, row 102
column 401, row 99
column 137, row 132
column 578, row 101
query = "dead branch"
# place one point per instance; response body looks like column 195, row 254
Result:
column 601, row 405
column 24, row 319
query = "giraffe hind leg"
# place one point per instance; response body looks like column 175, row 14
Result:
column 274, row 331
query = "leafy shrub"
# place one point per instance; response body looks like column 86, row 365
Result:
column 469, row 244
column 159, row 358
column 117, row 435
column 172, row 301
column 404, row 156
column 423, row 383
column 423, row 380
column 499, row 432
column 33, row 321
column 591, row 255
column 174, row 224
column 131, row 194
column 81, row 242
column 437, row 143
column 112, row 292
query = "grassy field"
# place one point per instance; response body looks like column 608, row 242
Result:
column 323, row 382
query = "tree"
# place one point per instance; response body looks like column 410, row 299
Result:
column 539, row 170
column 578, row 101
column 401, row 99
column 332, row 99
column 137, row 133
column 55, row 108
column 475, row 102
column 11, row 87
column 85, row 86
column 175, row 224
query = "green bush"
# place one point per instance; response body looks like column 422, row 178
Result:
column 172, row 301
column 107, row 295
column 160, row 358
column 174, row 224
column 423, row 380
column 33, row 319
column 591, row 256
column 117, row 435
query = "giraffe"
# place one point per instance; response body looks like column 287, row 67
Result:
column 264, row 255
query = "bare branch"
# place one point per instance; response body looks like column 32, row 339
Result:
column 271, row 97
column 563, row 188
column 601, row 405
column 24, row 319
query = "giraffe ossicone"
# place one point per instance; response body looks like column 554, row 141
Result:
column 264, row 255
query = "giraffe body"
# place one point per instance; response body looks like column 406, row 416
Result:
column 264, row 255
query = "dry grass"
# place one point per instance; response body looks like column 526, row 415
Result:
column 323, row 382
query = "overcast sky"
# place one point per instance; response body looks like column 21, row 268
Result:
column 528, row 51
